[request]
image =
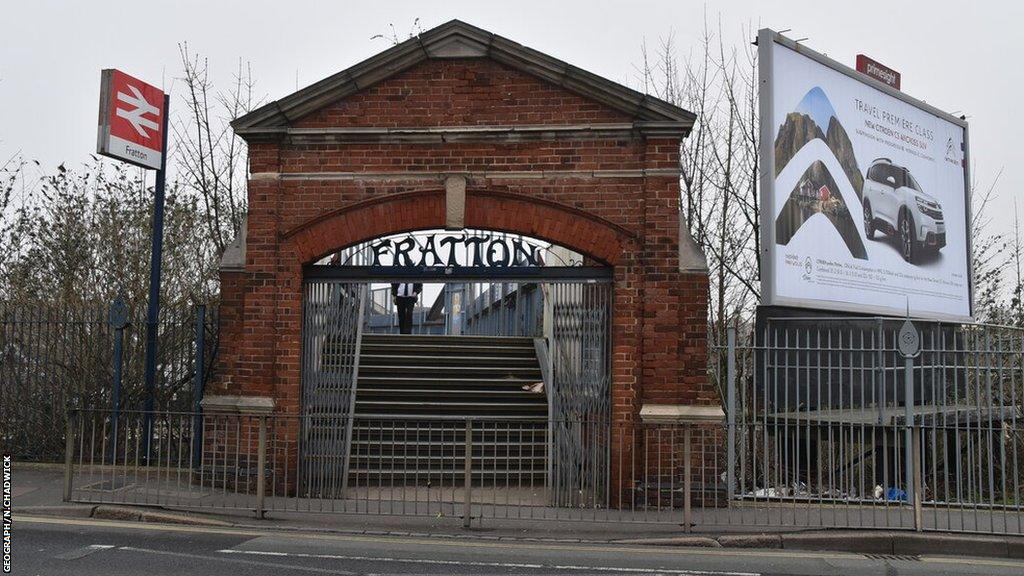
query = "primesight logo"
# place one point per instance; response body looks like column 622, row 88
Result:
column 879, row 72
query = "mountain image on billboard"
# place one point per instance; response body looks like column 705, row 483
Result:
column 804, row 124
column 812, row 114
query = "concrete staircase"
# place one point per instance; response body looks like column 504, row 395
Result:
column 407, row 383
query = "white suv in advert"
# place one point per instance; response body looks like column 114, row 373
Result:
column 895, row 204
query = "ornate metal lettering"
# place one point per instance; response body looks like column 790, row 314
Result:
column 445, row 249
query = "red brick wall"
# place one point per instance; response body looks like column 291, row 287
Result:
column 659, row 326
column 231, row 333
column 461, row 92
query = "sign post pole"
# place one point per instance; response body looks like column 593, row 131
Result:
column 156, row 254
column 128, row 131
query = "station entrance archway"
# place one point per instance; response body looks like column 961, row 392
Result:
column 460, row 129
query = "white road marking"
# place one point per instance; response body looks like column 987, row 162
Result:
column 238, row 561
column 489, row 564
column 83, row 551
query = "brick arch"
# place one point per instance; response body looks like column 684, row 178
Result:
column 550, row 221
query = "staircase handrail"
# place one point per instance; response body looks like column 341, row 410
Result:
column 540, row 346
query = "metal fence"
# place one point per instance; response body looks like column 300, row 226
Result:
column 833, row 423
column 829, row 424
column 469, row 468
column 52, row 358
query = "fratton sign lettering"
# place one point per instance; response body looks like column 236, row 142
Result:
column 445, row 250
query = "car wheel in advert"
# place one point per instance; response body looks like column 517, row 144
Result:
column 869, row 221
column 907, row 240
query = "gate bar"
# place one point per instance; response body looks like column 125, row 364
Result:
column 467, row 497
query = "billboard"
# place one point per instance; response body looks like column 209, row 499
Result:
column 131, row 120
column 864, row 197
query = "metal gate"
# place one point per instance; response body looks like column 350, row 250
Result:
column 569, row 321
column 581, row 392
column 332, row 329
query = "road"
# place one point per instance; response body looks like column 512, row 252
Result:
column 55, row 546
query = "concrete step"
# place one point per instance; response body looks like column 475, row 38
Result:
column 485, row 467
column 477, row 372
column 449, row 360
column 511, row 458
column 469, row 408
column 371, row 348
column 469, row 384
column 508, row 394
column 445, row 340
column 360, row 477
column 503, row 433
column 451, row 445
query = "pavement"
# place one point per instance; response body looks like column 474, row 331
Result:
column 38, row 492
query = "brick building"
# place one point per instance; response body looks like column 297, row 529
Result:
column 461, row 129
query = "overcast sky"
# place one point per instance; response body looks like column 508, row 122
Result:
column 963, row 57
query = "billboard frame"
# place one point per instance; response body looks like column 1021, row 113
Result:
column 766, row 39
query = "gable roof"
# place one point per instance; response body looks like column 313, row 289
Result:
column 456, row 39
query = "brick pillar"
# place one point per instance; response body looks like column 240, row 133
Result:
column 230, row 318
column 671, row 311
column 626, row 375
column 230, row 457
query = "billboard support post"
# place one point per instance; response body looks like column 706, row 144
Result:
column 153, row 310
column 765, row 37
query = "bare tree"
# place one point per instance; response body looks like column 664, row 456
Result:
column 719, row 162
column 990, row 255
column 10, row 217
column 211, row 158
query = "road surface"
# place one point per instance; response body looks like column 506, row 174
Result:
column 56, row 546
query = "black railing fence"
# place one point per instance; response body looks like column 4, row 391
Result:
column 56, row 358
column 827, row 424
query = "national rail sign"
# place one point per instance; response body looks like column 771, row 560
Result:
column 131, row 120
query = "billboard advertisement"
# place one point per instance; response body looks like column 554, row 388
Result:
column 864, row 198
